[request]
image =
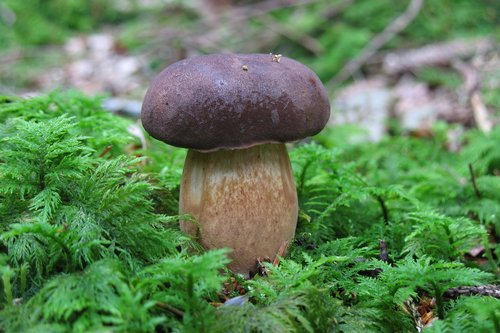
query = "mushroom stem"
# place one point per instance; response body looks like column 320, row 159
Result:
column 243, row 199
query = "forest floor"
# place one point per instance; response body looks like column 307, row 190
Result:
column 399, row 197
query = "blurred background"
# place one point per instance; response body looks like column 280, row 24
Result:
column 414, row 62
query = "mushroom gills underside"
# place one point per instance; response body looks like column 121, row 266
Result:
column 242, row 199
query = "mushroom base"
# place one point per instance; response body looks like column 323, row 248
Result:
column 243, row 199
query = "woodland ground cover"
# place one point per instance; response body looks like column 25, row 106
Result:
column 392, row 236
column 90, row 239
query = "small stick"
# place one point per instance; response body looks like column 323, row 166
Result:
column 385, row 211
column 105, row 151
column 473, row 180
column 486, row 290
column 264, row 7
column 438, row 54
column 473, row 96
column 481, row 115
column 176, row 312
column 395, row 27
column 262, row 270
column 281, row 253
column 383, row 251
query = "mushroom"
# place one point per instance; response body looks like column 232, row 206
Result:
column 234, row 112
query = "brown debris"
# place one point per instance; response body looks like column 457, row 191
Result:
column 421, row 313
column 230, row 287
column 262, row 270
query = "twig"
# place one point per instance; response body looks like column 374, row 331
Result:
column 236, row 17
column 472, row 95
column 281, row 253
column 385, row 211
column 383, row 256
column 262, row 270
column 396, row 26
column 383, row 251
column 480, row 112
column 473, row 180
column 176, row 312
column 486, row 290
column 105, row 151
column 470, row 75
column 433, row 55
column 261, row 8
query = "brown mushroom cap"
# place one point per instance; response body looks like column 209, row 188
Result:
column 231, row 101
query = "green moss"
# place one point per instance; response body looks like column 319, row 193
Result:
column 91, row 241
